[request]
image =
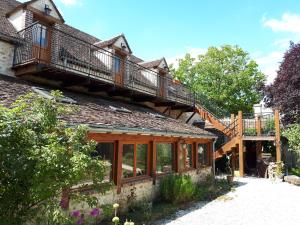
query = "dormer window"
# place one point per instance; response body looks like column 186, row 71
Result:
column 47, row 10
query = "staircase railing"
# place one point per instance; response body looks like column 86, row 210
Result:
column 229, row 132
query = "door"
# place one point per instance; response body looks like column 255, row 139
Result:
column 41, row 48
column 119, row 68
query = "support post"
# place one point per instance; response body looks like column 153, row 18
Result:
column 153, row 166
column 119, row 166
column 241, row 143
column 277, row 135
column 258, row 133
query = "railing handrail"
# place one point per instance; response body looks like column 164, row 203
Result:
column 195, row 98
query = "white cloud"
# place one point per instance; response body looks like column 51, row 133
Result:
column 269, row 64
column 288, row 23
column 194, row 52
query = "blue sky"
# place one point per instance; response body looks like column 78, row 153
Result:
column 171, row 28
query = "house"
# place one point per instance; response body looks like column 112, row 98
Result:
column 131, row 107
column 139, row 115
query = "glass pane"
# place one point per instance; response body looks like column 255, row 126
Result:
column 164, row 157
column 39, row 35
column 141, row 159
column 185, row 156
column 105, row 151
column 182, row 156
column 189, row 156
column 202, row 153
column 128, row 157
column 117, row 64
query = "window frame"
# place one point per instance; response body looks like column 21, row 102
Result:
column 207, row 156
column 174, row 159
column 194, row 159
column 114, row 166
column 135, row 177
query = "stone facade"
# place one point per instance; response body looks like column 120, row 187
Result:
column 6, row 58
column 138, row 191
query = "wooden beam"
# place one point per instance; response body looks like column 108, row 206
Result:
column 167, row 108
column 241, row 143
column 188, row 120
column 119, row 166
column 159, row 104
column 153, row 157
column 277, row 135
column 179, row 115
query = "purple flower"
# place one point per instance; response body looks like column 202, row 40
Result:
column 75, row 213
column 64, row 203
column 95, row 212
column 81, row 220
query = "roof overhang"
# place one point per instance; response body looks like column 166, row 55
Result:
column 138, row 131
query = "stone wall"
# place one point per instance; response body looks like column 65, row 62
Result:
column 6, row 58
column 143, row 190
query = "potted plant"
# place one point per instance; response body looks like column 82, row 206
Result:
column 229, row 170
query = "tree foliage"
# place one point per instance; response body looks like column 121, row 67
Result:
column 292, row 133
column 284, row 92
column 40, row 156
column 226, row 75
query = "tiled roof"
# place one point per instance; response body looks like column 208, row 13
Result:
column 109, row 42
column 151, row 64
column 96, row 111
column 6, row 27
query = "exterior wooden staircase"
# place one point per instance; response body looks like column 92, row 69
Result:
column 205, row 115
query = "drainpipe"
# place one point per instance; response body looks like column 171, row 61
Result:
column 213, row 158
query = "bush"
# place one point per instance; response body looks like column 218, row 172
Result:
column 41, row 156
column 177, row 188
column 295, row 171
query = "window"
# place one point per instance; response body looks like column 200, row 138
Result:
column 164, row 158
column 39, row 35
column 105, row 152
column 185, row 156
column 117, row 64
column 135, row 160
column 141, row 159
column 202, row 154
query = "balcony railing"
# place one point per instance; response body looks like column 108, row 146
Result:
column 53, row 47
column 259, row 125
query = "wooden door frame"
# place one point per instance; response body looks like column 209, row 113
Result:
column 121, row 74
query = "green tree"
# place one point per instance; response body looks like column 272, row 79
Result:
column 39, row 157
column 292, row 133
column 226, row 75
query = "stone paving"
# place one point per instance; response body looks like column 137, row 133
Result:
column 255, row 201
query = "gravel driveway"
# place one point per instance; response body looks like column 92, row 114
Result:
column 255, row 201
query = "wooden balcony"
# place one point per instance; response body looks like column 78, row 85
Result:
column 53, row 54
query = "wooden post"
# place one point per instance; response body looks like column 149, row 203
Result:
column 119, row 166
column 232, row 118
column 241, row 143
column 277, row 135
column 153, row 166
column 258, row 133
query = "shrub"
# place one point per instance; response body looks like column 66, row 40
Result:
column 177, row 188
column 41, row 156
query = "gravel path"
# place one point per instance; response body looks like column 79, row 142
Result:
column 254, row 202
